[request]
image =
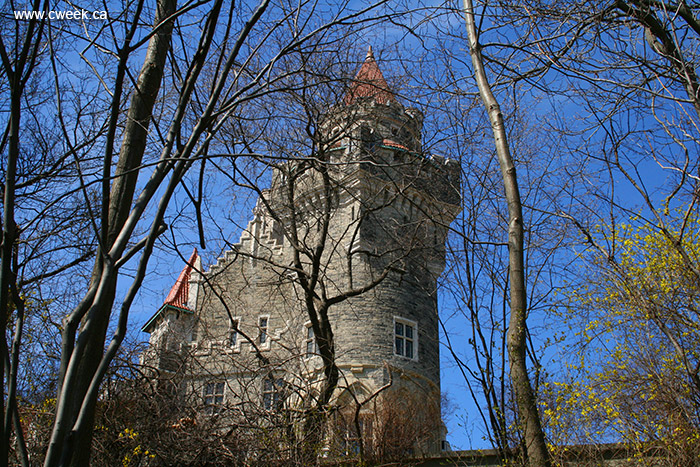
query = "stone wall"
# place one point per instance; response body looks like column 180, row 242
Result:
column 390, row 208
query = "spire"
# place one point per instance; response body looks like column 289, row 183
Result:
column 179, row 294
column 369, row 83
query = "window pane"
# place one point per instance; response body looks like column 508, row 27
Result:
column 219, row 388
column 233, row 333
column 399, row 346
column 409, row 331
column 263, row 330
column 273, row 395
column 409, row 348
column 310, row 332
column 399, row 329
column 233, row 337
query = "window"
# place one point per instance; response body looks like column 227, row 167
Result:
column 214, row 396
column 349, row 437
column 311, row 345
column 233, row 333
column 273, row 393
column 405, row 335
column 262, row 325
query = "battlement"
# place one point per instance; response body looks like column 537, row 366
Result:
column 369, row 121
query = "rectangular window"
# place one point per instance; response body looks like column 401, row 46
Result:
column 405, row 334
column 311, row 346
column 350, row 437
column 262, row 325
column 233, row 333
column 273, row 393
column 214, row 396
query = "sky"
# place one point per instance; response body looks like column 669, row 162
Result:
column 414, row 59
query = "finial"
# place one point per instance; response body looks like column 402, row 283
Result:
column 370, row 54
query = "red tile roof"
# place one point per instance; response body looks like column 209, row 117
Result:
column 180, row 292
column 394, row 144
column 369, row 83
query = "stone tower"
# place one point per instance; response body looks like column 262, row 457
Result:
column 366, row 218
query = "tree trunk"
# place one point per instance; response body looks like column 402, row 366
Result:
column 8, row 242
column 533, row 436
column 73, row 447
column 17, row 69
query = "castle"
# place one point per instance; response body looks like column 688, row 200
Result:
column 341, row 259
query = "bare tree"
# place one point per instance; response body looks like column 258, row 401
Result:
column 120, row 192
column 526, row 400
column 628, row 69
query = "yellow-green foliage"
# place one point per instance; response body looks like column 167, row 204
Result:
column 137, row 452
column 638, row 350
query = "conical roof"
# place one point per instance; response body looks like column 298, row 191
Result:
column 369, row 83
column 179, row 294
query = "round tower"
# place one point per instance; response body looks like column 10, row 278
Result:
column 399, row 202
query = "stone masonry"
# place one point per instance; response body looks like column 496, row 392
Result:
column 379, row 210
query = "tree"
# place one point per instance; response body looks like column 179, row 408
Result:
column 623, row 62
column 622, row 106
column 33, row 235
column 181, row 120
column 526, row 400
column 637, row 361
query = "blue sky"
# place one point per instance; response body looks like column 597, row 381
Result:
column 440, row 83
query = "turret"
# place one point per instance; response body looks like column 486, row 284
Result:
column 171, row 327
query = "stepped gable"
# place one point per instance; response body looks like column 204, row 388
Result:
column 262, row 237
column 221, row 262
column 369, row 83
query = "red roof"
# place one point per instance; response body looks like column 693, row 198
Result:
column 394, row 144
column 180, row 292
column 369, row 83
